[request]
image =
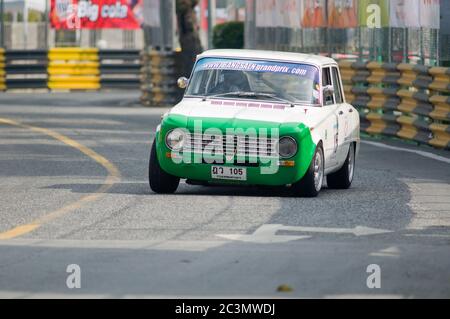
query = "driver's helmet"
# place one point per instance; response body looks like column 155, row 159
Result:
column 236, row 78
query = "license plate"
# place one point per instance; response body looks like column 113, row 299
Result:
column 229, row 173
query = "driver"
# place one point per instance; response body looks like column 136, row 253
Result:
column 232, row 81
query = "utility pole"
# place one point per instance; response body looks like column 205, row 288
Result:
column 211, row 21
column 2, row 22
column 46, row 21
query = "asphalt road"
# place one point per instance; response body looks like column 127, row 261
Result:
column 62, row 204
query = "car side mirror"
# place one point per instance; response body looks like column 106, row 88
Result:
column 182, row 82
column 328, row 90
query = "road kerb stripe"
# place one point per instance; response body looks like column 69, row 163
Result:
column 112, row 178
column 421, row 153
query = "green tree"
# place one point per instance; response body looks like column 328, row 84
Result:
column 34, row 16
column 229, row 35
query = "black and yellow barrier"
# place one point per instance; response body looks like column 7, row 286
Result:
column 2, row 70
column 26, row 69
column 73, row 69
column 120, row 69
column 402, row 100
column 69, row 69
column 441, row 79
column 159, row 73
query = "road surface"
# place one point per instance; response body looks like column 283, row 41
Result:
column 74, row 190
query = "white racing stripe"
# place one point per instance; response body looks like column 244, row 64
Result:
column 421, row 153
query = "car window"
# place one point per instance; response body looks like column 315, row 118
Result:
column 326, row 80
column 337, row 86
column 273, row 80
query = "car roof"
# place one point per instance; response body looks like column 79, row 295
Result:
column 268, row 55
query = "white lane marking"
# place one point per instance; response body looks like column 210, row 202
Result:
column 357, row 231
column 263, row 235
column 266, row 234
column 392, row 251
column 421, row 153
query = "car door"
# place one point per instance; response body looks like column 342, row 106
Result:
column 330, row 129
column 342, row 111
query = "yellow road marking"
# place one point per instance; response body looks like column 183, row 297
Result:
column 112, row 178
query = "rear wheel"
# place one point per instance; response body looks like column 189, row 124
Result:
column 160, row 181
column 311, row 184
column 342, row 179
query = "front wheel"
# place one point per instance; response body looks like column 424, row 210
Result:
column 160, row 181
column 311, row 184
column 342, row 179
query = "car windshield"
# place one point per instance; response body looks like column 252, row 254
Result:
column 282, row 81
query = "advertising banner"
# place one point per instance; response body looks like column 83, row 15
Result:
column 348, row 13
column 314, row 14
column 430, row 13
column 266, row 13
column 96, row 14
column 404, row 13
column 445, row 18
column 342, row 14
column 290, row 13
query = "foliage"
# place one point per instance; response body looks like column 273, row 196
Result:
column 229, row 35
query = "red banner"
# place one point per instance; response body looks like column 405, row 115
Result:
column 96, row 14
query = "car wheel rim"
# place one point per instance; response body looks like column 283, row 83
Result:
column 318, row 171
column 351, row 163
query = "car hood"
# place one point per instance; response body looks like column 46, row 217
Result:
column 231, row 112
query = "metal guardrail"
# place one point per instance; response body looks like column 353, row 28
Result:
column 69, row 69
column 403, row 100
column 159, row 73
column 26, row 69
column 2, row 70
column 119, row 68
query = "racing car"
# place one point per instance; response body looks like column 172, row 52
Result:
column 252, row 117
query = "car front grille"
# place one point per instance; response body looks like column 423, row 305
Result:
column 230, row 145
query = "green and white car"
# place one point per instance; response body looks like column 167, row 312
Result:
column 258, row 118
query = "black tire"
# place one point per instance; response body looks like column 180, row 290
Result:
column 306, row 187
column 160, row 181
column 342, row 179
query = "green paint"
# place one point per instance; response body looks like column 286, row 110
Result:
column 202, row 172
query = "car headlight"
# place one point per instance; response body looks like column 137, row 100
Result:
column 287, row 147
column 175, row 139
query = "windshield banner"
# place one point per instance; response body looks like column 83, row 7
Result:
column 303, row 70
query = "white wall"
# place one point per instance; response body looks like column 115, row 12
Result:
column 15, row 37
